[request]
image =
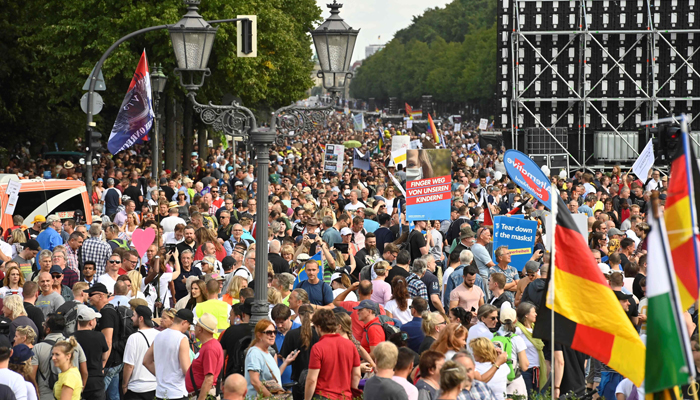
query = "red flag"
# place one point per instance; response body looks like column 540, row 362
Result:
column 409, row 110
column 488, row 218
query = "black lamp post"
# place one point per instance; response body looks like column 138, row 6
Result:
column 158, row 81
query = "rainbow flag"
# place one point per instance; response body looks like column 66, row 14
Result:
column 681, row 217
column 433, row 130
column 302, row 272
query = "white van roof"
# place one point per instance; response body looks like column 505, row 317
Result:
column 4, row 178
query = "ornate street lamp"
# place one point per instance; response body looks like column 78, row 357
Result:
column 158, row 81
column 193, row 39
column 334, row 41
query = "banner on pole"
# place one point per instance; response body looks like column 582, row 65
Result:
column 528, row 175
column 518, row 234
column 358, row 122
column 428, row 184
column 645, row 161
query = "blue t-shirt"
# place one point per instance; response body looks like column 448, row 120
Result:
column 482, row 257
column 262, row 362
column 332, row 237
column 370, row 225
column 320, row 294
column 279, row 339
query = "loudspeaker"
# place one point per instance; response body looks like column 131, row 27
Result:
column 539, row 141
column 427, row 106
column 393, row 103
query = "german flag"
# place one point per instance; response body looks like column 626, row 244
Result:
column 681, row 222
column 409, row 111
column 588, row 316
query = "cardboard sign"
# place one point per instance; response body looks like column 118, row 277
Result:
column 483, row 123
column 516, row 233
column 333, row 158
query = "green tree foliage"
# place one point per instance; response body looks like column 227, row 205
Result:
column 58, row 43
column 449, row 53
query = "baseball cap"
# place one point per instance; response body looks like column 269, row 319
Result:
column 185, row 315
column 340, row 310
column 227, row 263
column 38, row 218
column 368, row 304
column 31, row 244
column 55, row 269
column 336, row 275
column 345, row 231
column 615, row 231
column 508, row 314
column 145, row 312
column 532, row 266
column 604, row 268
column 303, row 257
column 138, row 302
column 622, row 296
column 96, row 288
column 20, row 354
column 86, row 313
column 207, row 322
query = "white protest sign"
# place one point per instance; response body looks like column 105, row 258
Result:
column 399, row 157
column 645, row 161
column 483, row 123
column 416, row 144
column 409, row 123
column 333, row 158
column 397, row 184
column 458, row 127
column 12, row 191
column 399, row 142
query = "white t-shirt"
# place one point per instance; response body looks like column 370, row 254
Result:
column 530, row 351
column 152, row 296
column 6, row 291
column 353, row 207
column 243, row 271
column 6, row 249
column 166, row 353
column 141, row 379
column 479, row 330
column 403, row 316
column 107, row 281
column 626, row 387
column 350, row 297
column 31, row 391
column 169, row 238
column 15, row 382
column 499, row 382
column 169, row 223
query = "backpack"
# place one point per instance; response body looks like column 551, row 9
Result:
column 121, row 243
column 125, row 329
column 70, row 316
column 53, row 373
column 507, row 347
column 387, row 325
column 237, row 359
column 407, row 244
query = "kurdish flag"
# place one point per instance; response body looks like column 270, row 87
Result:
column 668, row 346
column 588, row 317
column 301, row 276
column 681, row 214
column 431, row 127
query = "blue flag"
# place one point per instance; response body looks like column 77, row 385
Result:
column 136, row 115
column 302, row 272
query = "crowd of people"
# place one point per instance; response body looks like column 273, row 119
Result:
column 428, row 310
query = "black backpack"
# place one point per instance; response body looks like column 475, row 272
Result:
column 237, row 359
column 125, row 329
column 387, row 325
column 53, row 370
column 69, row 311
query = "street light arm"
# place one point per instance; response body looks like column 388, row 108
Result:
column 219, row 21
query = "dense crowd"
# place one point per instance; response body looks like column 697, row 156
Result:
column 428, row 310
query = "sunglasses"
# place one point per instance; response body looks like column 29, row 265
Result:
column 493, row 318
column 56, row 275
column 269, row 333
column 114, row 262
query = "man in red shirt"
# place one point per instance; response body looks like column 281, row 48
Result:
column 364, row 293
column 372, row 332
column 334, row 363
column 206, row 366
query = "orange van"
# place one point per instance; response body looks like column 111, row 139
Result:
column 44, row 197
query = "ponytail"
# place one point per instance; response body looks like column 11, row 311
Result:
column 68, row 346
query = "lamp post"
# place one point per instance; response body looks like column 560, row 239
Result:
column 158, row 81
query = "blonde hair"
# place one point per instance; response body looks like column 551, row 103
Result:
column 67, row 346
column 287, row 249
column 135, row 278
column 28, row 332
column 235, row 286
column 273, row 296
column 6, row 280
column 452, row 374
column 15, row 303
column 18, row 236
column 385, row 355
column 483, row 349
column 429, row 324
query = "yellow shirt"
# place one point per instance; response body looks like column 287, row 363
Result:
column 72, row 379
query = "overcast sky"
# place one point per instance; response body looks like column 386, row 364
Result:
column 378, row 20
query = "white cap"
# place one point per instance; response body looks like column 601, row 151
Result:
column 345, row 231
column 336, row 275
column 86, row 313
column 604, row 268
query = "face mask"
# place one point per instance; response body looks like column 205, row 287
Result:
column 414, row 173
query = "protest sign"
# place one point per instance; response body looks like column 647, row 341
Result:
column 399, row 157
column 409, row 123
column 358, row 122
column 518, row 235
column 428, row 184
column 333, row 158
column 416, row 144
column 399, row 142
column 528, row 175
column 12, row 192
column 645, row 161
column 458, row 127
column 483, row 123
column 360, row 160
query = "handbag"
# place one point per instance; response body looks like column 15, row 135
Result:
column 275, row 388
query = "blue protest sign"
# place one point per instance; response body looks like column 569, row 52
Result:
column 528, row 175
column 518, row 234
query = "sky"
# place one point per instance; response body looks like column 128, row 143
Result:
column 378, row 18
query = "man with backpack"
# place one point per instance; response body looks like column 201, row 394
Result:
column 96, row 350
column 236, row 338
column 138, row 383
column 69, row 309
column 116, row 329
column 46, row 373
column 373, row 333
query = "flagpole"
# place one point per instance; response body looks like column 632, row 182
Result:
column 550, row 291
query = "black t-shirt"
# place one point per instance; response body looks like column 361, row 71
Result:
column 432, row 285
column 169, row 193
column 111, row 200
column 230, row 339
column 94, row 345
column 384, row 236
column 396, row 271
column 110, row 319
column 279, row 264
column 636, row 287
column 133, row 192
column 35, row 314
column 416, row 240
column 574, row 379
column 180, row 286
column 292, row 341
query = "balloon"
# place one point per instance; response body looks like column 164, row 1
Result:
column 470, row 162
column 498, row 175
column 562, row 174
column 545, row 169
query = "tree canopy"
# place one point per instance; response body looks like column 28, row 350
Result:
column 51, row 46
column 449, row 53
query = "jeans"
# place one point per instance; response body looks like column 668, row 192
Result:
column 531, row 378
column 112, row 381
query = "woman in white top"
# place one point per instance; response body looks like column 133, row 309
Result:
column 485, row 356
column 14, row 280
column 487, row 317
column 339, row 283
column 537, row 368
column 517, row 356
column 400, row 303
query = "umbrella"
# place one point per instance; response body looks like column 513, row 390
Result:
column 351, row 144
